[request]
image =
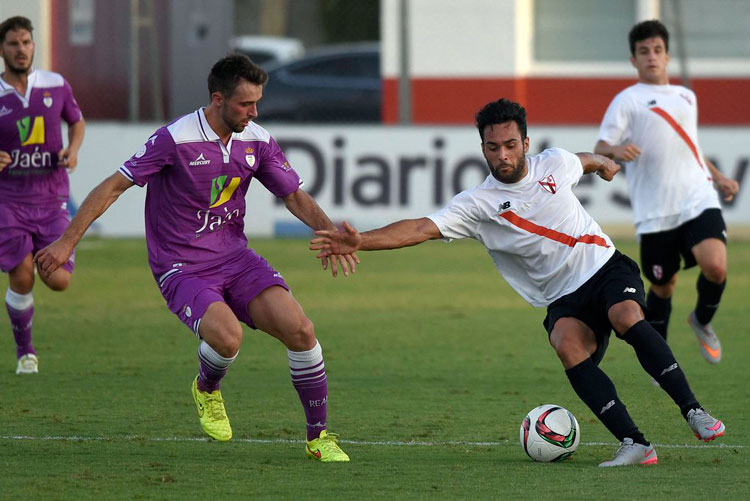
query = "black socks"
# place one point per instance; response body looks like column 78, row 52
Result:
column 597, row 391
column 657, row 359
column 709, row 295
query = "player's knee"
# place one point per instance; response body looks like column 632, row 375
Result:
column 715, row 272
column 229, row 340
column 302, row 337
column 568, row 342
column 59, row 283
column 624, row 315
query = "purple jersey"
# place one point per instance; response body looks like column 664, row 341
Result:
column 31, row 133
column 195, row 203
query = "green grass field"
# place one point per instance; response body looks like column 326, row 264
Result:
column 432, row 363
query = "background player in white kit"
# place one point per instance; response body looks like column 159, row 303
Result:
column 553, row 254
column 653, row 127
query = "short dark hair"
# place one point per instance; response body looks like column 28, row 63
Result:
column 645, row 30
column 227, row 72
column 501, row 111
column 15, row 23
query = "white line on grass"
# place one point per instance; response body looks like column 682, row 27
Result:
column 390, row 443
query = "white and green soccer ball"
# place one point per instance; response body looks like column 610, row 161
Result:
column 549, row 433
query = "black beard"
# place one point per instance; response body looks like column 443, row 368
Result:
column 10, row 68
column 514, row 177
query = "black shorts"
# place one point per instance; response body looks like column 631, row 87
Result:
column 660, row 252
column 618, row 280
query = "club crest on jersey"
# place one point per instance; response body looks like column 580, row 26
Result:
column 47, row 99
column 658, row 271
column 250, row 159
column 548, row 183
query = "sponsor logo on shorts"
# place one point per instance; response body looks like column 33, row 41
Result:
column 629, row 289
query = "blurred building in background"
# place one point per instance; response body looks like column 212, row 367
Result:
column 373, row 101
column 564, row 59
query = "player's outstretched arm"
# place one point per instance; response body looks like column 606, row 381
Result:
column 97, row 202
column 620, row 153
column 404, row 233
column 306, row 209
column 604, row 166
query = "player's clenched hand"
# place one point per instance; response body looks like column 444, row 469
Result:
column 336, row 242
column 68, row 159
column 626, row 152
column 53, row 256
column 4, row 160
column 607, row 169
column 728, row 187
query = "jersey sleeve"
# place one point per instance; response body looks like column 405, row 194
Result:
column 275, row 173
column 157, row 153
column 459, row 219
column 71, row 112
column 572, row 165
column 615, row 125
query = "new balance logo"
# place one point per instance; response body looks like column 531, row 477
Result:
column 200, row 161
column 503, row 206
column 607, row 407
column 629, row 289
column 669, row 369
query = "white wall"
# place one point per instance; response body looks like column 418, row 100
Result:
column 356, row 164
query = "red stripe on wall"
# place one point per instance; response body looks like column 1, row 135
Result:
column 680, row 131
column 568, row 240
column 553, row 101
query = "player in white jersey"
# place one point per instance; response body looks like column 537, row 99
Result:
column 553, row 254
column 652, row 127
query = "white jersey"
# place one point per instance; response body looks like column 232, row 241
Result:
column 669, row 183
column 540, row 237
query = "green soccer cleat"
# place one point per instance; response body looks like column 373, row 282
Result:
column 326, row 448
column 212, row 414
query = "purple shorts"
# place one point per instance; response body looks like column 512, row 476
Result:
column 28, row 229
column 235, row 282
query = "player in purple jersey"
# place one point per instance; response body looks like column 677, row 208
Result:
column 198, row 170
column 33, row 175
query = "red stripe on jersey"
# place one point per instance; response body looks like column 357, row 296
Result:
column 673, row 123
column 527, row 225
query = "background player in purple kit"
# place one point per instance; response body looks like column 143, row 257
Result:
column 198, row 170
column 33, row 179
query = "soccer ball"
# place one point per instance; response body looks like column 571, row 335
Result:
column 549, row 433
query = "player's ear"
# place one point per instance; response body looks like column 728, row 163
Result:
column 526, row 145
column 217, row 98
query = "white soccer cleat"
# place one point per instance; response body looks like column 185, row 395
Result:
column 705, row 427
column 631, row 453
column 707, row 341
column 28, row 364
